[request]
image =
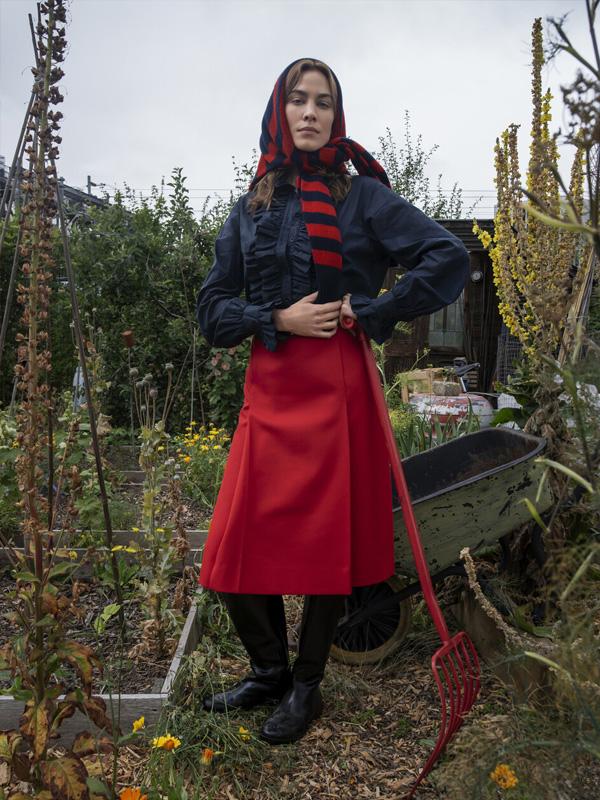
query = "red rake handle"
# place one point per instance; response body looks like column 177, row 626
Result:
column 412, row 529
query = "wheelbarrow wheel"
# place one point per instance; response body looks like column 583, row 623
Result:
column 380, row 635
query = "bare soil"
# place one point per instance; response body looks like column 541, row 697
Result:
column 136, row 676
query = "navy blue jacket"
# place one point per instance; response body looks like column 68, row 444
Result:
column 267, row 257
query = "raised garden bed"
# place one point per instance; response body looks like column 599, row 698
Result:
column 130, row 705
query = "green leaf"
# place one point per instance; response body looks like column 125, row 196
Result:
column 568, row 472
column 557, row 223
column 62, row 570
column 541, row 484
column 524, row 624
column 108, row 613
column 581, row 570
column 503, row 415
column 27, row 576
column 535, row 514
column 45, row 622
column 96, row 786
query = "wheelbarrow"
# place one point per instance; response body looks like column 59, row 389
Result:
column 465, row 493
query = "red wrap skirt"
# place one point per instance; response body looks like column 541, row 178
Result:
column 305, row 505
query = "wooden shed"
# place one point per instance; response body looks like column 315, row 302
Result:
column 468, row 327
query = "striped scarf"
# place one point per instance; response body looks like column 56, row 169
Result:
column 318, row 209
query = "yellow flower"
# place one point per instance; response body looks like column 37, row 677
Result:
column 187, row 459
column 72, row 555
column 160, row 530
column 132, row 793
column 135, row 530
column 160, row 448
column 504, row 777
column 244, row 733
column 166, row 742
column 207, row 755
column 138, row 724
column 118, row 547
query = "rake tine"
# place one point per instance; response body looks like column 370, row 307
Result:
column 455, row 684
column 462, row 685
column 449, row 690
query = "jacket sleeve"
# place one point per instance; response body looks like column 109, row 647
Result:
column 225, row 319
column 436, row 260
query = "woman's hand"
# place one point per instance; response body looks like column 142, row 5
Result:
column 307, row 318
column 346, row 309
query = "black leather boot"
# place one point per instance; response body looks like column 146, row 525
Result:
column 303, row 703
column 259, row 620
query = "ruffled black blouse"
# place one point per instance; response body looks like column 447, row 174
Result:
column 267, row 258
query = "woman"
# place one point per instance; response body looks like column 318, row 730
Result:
column 305, row 503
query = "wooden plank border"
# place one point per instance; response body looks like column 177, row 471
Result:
column 131, row 706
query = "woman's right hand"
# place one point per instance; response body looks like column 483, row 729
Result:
column 307, row 318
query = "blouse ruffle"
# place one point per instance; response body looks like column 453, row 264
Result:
column 261, row 258
column 263, row 273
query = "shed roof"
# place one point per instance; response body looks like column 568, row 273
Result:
column 463, row 229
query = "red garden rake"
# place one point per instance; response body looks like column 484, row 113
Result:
column 455, row 664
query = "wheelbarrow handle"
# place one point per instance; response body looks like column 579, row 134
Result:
column 408, row 513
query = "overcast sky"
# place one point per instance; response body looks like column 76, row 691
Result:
column 154, row 84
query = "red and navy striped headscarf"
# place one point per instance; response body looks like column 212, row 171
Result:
column 318, row 209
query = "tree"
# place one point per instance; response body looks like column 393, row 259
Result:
column 406, row 167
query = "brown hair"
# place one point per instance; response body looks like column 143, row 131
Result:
column 339, row 184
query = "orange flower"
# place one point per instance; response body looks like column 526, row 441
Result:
column 132, row 793
column 166, row 742
column 504, row 777
column 207, row 755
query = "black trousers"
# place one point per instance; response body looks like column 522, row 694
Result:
column 259, row 620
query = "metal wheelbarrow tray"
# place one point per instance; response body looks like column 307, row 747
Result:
column 468, row 493
column 465, row 493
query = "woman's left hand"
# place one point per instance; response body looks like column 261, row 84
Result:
column 346, row 310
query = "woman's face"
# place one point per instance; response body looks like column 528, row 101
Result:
column 309, row 111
